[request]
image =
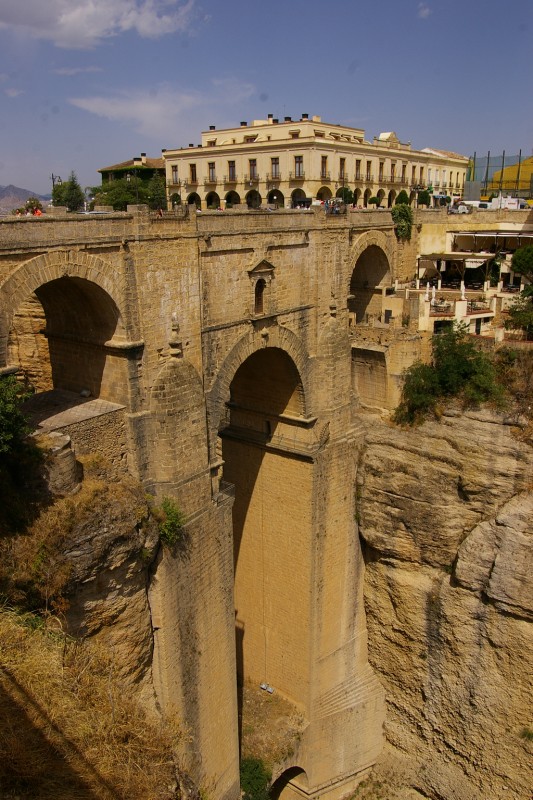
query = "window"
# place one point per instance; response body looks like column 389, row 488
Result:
column 413, row 175
column 253, row 168
column 324, row 167
column 369, row 170
column 192, row 172
column 211, row 142
column 393, row 171
column 342, row 168
column 404, row 171
column 299, row 166
column 295, row 134
column 250, row 139
column 211, row 171
column 429, row 174
column 259, row 292
column 358, row 169
column 381, row 168
column 274, row 167
column 231, row 171
column 444, row 177
column 421, row 175
column 174, row 174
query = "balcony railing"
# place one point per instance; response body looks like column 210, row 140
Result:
column 325, row 176
column 210, row 179
column 297, row 176
column 191, row 182
column 253, row 178
column 274, row 176
column 230, row 178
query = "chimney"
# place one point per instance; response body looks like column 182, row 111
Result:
column 212, row 128
column 191, row 145
column 163, row 149
column 244, row 124
column 143, row 158
column 305, row 116
column 288, row 119
column 275, row 121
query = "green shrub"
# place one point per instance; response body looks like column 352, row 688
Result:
column 13, row 425
column 458, row 369
column 255, row 778
column 402, row 216
column 402, row 199
column 171, row 527
column 424, row 198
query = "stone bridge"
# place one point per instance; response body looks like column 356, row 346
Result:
column 222, row 345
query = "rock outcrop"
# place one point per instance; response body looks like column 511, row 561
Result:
column 446, row 518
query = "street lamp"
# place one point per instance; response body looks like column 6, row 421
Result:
column 128, row 178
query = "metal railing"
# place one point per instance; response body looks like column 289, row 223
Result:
column 297, row 176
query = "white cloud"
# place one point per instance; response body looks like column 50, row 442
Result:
column 75, row 70
column 423, row 11
column 13, row 92
column 163, row 112
column 83, row 24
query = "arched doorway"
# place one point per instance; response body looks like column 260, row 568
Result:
column 276, row 198
column 273, row 492
column 194, row 200
column 357, row 196
column 370, row 275
column 367, row 196
column 232, row 199
column 391, row 198
column 380, row 195
column 412, row 199
column 297, row 197
column 253, row 199
column 324, row 193
column 212, row 201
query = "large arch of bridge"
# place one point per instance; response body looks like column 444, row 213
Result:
column 61, row 324
column 371, row 266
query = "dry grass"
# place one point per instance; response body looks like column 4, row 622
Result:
column 270, row 726
column 68, row 729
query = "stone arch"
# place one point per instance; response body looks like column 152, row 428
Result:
column 275, row 197
column 357, row 196
column 297, row 196
column 89, row 273
column 373, row 260
column 366, row 197
column 282, row 786
column 232, row 199
column 179, row 443
column 380, row 195
column 324, row 193
column 193, row 199
column 212, row 200
column 219, row 394
column 391, row 198
column 253, row 199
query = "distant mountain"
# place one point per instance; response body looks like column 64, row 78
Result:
column 13, row 196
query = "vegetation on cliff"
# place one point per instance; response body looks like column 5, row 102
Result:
column 460, row 370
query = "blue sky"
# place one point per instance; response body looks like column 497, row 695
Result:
column 88, row 83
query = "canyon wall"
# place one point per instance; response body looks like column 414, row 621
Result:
column 445, row 517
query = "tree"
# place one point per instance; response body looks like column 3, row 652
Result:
column 120, row 193
column 402, row 199
column 69, row 194
column 13, row 427
column 157, row 194
column 374, row 201
column 402, row 216
column 345, row 194
column 523, row 262
column 32, row 204
column 424, row 198
column 521, row 312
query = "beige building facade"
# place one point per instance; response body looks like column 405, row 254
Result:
column 295, row 162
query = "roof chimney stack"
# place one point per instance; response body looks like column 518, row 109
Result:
column 212, row 128
column 288, row 119
column 305, row 116
column 244, row 124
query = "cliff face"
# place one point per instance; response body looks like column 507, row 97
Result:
column 446, row 516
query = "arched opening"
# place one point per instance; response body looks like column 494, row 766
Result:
column 391, row 198
column 232, row 199
column 212, row 201
column 253, row 199
column 297, row 198
column 370, row 275
column 412, row 199
column 368, row 195
column 380, row 195
column 194, row 200
column 276, row 198
column 259, row 292
column 175, row 199
column 273, row 502
column 357, row 196
column 286, row 786
column 324, row 193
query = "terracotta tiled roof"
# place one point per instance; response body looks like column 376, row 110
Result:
column 150, row 163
